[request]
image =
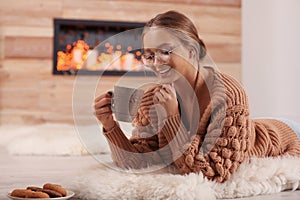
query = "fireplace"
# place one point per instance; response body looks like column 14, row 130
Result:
column 97, row 47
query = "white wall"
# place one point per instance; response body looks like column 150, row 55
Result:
column 271, row 57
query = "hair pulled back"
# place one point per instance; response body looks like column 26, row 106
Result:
column 179, row 23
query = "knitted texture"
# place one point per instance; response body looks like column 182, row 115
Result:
column 225, row 136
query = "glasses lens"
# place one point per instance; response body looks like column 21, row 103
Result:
column 147, row 59
column 162, row 55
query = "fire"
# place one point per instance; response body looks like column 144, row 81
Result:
column 79, row 56
column 74, row 57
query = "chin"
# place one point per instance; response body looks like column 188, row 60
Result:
column 168, row 79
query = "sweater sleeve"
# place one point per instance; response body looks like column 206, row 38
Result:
column 221, row 152
column 177, row 138
column 225, row 147
column 221, row 144
column 273, row 137
column 178, row 142
column 226, row 142
column 137, row 152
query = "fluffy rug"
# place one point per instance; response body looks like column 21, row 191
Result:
column 51, row 139
column 254, row 177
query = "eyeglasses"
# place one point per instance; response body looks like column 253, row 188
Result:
column 162, row 54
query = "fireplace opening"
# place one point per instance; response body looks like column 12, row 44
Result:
column 97, row 47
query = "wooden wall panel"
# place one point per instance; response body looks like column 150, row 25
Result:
column 30, row 94
column 29, row 12
column 34, row 69
column 27, row 31
column 1, row 46
column 28, row 47
column 209, row 19
column 42, row 47
column 232, row 3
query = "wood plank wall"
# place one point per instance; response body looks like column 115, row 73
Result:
column 30, row 94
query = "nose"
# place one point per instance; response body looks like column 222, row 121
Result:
column 157, row 61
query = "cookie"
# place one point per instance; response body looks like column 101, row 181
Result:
column 56, row 187
column 39, row 195
column 34, row 188
column 52, row 193
column 24, row 193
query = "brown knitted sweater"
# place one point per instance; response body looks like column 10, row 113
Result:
column 225, row 136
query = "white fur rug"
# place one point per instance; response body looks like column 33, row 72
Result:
column 254, row 177
column 51, row 139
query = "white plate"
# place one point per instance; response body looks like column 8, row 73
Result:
column 69, row 195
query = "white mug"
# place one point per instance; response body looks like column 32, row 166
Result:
column 125, row 102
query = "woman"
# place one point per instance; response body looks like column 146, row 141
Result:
column 197, row 119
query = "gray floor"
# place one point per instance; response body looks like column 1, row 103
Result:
column 19, row 171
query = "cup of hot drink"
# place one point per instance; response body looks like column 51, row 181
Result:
column 125, row 102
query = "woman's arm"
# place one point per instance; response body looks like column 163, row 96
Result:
column 137, row 152
column 140, row 151
column 218, row 149
column 221, row 152
column 177, row 140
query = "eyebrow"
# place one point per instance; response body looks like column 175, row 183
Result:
column 159, row 46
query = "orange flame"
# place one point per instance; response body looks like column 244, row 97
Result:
column 77, row 53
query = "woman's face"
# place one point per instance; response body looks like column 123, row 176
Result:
column 165, row 55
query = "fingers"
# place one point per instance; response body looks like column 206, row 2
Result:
column 102, row 103
column 155, row 95
column 148, row 96
column 105, row 95
column 145, row 110
column 159, row 97
column 103, row 110
column 100, row 97
column 164, row 94
column 153, row 89
column 169, row 89
column 147, row 101
column 166, row 97
column 103, row 100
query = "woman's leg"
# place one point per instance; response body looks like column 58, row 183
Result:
column 294, row 125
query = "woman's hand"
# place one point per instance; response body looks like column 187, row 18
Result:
column 103, row 112
column 166, row 97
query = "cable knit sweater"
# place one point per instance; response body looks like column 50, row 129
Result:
column 224, row 138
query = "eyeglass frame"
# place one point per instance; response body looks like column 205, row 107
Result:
column 155, row 55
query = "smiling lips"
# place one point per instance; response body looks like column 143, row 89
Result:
column 165, row 71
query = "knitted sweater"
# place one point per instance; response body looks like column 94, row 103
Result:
column 225, row 135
